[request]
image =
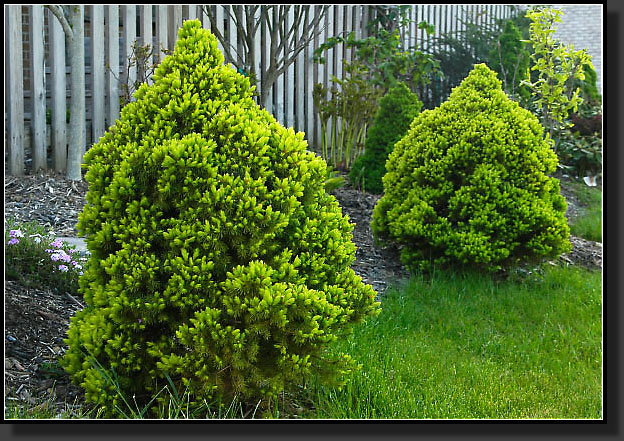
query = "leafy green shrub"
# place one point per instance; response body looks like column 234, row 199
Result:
column 580, row 154
column 219, row 262
column 397, row 109
column 36, row 258
column 469, row 185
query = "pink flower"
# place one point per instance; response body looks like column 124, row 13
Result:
column 13, row 241
column 58, row 243
column 60, row 255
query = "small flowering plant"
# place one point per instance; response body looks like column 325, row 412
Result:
column 36, row 258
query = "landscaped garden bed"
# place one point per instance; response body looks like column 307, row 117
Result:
column 231, row 273
column 37, row 319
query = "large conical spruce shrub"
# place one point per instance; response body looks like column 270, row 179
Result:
column 469, row 184
column 218, row 261
column 397, row 109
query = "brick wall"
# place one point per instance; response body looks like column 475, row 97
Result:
column 581, row 26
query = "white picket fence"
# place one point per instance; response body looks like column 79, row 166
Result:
column 39, row 56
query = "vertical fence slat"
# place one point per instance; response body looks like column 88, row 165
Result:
column 267, row 55
column 192, row 12
column 329, row 64
column 308, row 83
column 16, row 86
column 339, row 52
column 219, row 13
column 278, row 88
column 37, row 90
column 257, row 51
column 145, row 27
column 161, row 32
column 175, row 22
column 146, row 33
column 129, row 26
column 313, row 78
column 97, row 72
column 204, row 16
column 232, row 33
column 58, row 94
column 289, row 78
column 112, row 35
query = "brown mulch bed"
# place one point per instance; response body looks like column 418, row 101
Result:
column 47, row 198
column 36, row 320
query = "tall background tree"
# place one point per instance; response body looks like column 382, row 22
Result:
column 72, row 20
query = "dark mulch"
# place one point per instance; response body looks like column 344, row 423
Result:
column 36, row 320
column 47, row 198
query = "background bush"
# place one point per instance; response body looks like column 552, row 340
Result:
column 397, row 109
column 220, row 265
column 469, row 184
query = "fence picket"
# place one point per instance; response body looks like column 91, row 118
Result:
column 58, row 93
column 161, row 32
column 192, row 12
column 97, row 72
column 38, row 90
column 175, row 23
column 146, row 33
column 129, row 27
column 16, row 86
column 112, row 36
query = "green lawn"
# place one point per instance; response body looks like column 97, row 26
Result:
column 466, row 346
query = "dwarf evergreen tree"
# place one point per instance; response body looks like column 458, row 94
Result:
column 397, row 109
column 469, row 184
column 218, row 261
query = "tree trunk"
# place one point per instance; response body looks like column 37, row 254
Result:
column 76, row 148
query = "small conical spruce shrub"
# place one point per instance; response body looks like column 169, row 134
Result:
column 469, row 184
column 219, row 267
column 397, row 109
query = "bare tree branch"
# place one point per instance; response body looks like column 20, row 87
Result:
column 286, row 41
column 60, row 15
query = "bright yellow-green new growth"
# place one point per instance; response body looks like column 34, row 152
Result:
column 469, row 184
column 219, row 262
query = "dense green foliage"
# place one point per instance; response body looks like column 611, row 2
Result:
column 397, row 109
column 469, row 184
column 219, row 264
